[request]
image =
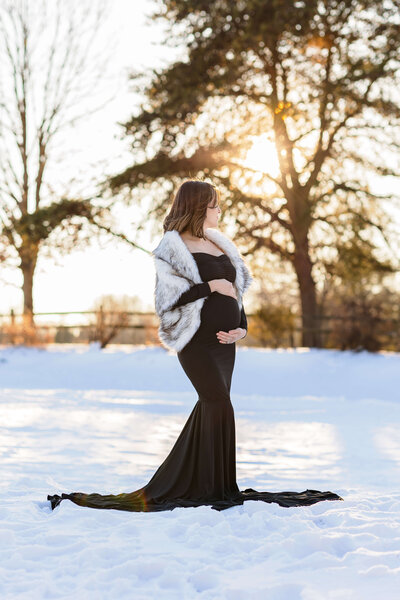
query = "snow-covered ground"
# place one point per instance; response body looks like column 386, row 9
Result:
column 82, row 419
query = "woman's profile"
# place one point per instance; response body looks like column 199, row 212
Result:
column 201, row 278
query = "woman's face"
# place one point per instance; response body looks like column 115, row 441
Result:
column 212, row 215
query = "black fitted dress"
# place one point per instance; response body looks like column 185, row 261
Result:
column 201, row 466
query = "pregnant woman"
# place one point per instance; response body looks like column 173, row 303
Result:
column 200, row 281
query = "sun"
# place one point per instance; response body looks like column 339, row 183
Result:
column 262, row 156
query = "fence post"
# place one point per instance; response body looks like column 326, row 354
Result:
column 12, row 328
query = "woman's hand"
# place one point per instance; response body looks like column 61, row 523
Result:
column 233, row 335
column 223, row 286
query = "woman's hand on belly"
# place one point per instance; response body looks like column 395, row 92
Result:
column 233, row 335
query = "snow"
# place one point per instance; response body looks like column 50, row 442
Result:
column 83, row 419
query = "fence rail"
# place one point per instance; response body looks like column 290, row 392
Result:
column 141, row 327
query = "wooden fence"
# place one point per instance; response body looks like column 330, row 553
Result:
column 141, row 328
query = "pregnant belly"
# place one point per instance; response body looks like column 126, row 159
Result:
column 220, row 313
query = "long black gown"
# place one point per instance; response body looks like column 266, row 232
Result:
column 201, row 466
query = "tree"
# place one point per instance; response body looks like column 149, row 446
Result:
column 112, row 314
column 356, row 292
column 49, row 70
column 318, row 80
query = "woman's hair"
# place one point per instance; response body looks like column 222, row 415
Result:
column 189, row 208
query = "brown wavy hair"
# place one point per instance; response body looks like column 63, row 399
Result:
column 189, row 208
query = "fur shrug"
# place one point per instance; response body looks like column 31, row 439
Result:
column 177, row 271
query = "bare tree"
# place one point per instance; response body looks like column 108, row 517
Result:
column 111, row 316
column 50, row 73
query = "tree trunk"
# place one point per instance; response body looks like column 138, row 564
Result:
column 308, row 297
column 28, row 269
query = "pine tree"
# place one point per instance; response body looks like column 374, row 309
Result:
column 317, row 78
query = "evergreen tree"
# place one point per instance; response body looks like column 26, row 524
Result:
column 317, row 78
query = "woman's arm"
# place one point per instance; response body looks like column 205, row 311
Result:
column 199, row 290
